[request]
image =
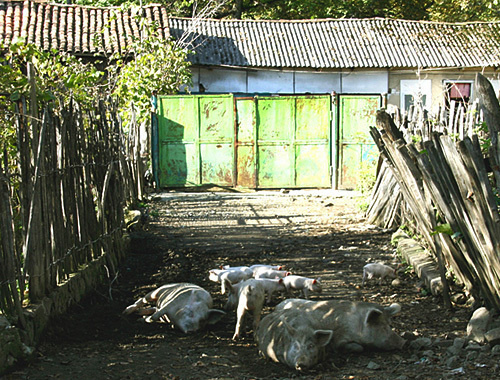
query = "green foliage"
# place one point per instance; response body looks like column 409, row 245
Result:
column 443, row 229
column 58, row 77
column 431, row 10
column 482, row 131
column 367, row 177
column 157, row 67
column 464, row 10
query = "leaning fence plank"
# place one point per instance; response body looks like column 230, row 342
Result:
column 490, row 109
column 9, row 284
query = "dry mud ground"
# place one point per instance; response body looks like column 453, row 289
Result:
column 317, row 234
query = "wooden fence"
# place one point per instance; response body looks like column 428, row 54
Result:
column 74, row 182
column 436, row 178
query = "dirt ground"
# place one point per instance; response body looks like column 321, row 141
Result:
column 313, row 233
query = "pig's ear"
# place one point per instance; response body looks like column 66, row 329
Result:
column 394, row 309
column 280, row 281
column 373, row 316
column 323, row 337
column 214, row 316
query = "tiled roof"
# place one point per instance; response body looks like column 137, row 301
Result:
column 319, row 44
column 73, row 28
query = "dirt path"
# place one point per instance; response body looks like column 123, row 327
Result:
column 317, row 234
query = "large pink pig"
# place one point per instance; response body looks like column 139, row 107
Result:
column 289, row 337
column 356, row 325
column 185, row 306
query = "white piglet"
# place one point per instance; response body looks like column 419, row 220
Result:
column 304, row 284
column 271, row 286
column 248, row 296
column 377, row 270
column 257, row 267
column 233, row 275
column 270, row 273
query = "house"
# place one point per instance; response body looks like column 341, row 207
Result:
column 359, row 64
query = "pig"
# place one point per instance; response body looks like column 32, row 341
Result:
column 356, row 326
column 232, row 275
column 377, row 270
column 185, row 306
column 270, row 273
column 288, row 337
column 271, row 286
column 304, row 284
column 247, row 296
column 257, row 267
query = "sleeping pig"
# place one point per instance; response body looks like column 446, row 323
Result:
column 356, row 326
column 288, row 336
column 185, row 306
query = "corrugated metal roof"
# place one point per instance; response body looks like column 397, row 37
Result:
column 318, row 44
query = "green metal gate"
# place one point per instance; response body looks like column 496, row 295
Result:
column 255, row 142
column 195, row 140
column 293, row 146
column 283, row 141
column 357, row 151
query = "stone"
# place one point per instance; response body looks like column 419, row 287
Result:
column 493, row 336
column 453, row 362
column 478, row 325
column 471, row 356
column 373, row 365
column 419, row 343
column 456, row 348
column 495, row 351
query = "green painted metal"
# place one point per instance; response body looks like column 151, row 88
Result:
column 293, row 146
column 196, row 140
column 254, row 142
column 357, row 153
column 245, row 144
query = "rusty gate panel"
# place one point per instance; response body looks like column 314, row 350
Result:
column 216, row 139
column 177, row 142
column 293, row 146
column 357, row 151
column 275, row 130
column 195, row 140
column 246, row 131
column 312, row 141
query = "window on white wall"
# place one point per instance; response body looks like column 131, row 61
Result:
column 415, row 92
column 458, row 91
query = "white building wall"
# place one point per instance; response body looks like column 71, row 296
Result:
column 287, row 82
column 217, row 80
column 356, row 82
column 317, row 83
column 274, row 82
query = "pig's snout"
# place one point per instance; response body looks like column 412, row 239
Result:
column 302, row 363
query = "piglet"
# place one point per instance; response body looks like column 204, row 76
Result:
column 257, row 267
column 377, row 270
column 233, row 275
column 270, row 273
column 304, row 284
column 248, row 296
column 271, row 286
